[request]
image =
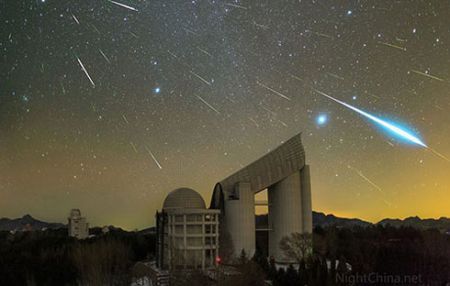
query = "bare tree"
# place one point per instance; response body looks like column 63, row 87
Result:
column 297, row 246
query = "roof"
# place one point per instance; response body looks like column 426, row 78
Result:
column 184, row 198
column 286, row 159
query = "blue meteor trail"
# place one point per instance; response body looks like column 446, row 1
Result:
column 397, row 130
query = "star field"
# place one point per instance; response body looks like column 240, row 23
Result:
column 109, row 105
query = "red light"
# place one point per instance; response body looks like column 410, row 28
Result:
column 218, row 259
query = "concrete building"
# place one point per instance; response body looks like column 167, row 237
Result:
column 78, row 226
column 187, row 232
column 285, row 176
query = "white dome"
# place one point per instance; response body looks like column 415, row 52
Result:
column 184, row 198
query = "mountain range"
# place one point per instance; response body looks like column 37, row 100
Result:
column 326, row 220
column 443, row 223
column 27, row 222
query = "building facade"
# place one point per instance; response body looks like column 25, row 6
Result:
column 286, row 177
column 187, row 232
column 77, row 226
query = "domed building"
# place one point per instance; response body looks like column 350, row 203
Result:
column 187, row 232
column 184, row 198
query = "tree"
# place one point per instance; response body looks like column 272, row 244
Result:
column 272, row 269
column 297, row 246
column 194, row 277
column 280, row 278
column 292, row 277
column 243, row 259
column 260, row 259
column 251, row 274
column 102, row 263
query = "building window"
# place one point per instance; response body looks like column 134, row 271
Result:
column 194, row 218
column 179, row 218
column 179, row 229
column 210, row 228
column 211, row 241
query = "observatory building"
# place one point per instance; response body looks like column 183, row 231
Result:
column 78, row 226
column 187, row 232
column 285, row 176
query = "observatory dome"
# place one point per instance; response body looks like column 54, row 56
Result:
column 184, row 198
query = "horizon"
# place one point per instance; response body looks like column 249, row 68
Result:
column 108, row 109
column 256, row 214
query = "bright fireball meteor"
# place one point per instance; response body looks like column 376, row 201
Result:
column 405, row 134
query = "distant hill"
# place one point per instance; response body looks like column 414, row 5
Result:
column 27, row 222
column 321, row 219
column 326, row 220
column 443, row 223
column 149, row 230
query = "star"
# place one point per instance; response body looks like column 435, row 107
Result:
column 322, row 119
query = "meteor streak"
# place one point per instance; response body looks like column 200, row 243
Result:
column 85, row 71
column 272, row 90
column 393, row 46
column 153, row 157
column 236, row 6
column 322, row 35
column 268, row 110
column 190, row 31
column 335, row 76
column 125, row 119
column 205, row 52
column 134, row 147
column 260, row 25
column 283, row 123
column 439, row 155
column 123, row 5
column 172, row 54
column 104, row 56
column 200, row 78
column 365, row 178
column 75, row 19
column 405, row 134
column 295, row 77
column 207, row 104
column 254, row 121
column 427, row 75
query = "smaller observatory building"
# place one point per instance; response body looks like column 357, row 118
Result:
column 187, row 232
column 77, row 226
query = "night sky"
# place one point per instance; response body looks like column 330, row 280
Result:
column 108, row 107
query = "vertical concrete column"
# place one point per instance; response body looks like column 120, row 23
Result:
column 240, row 218
column 215, row 253
column 169, row 241
column 203, row 241
column 306, row 199
column 184, row 242
column 285, row 214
